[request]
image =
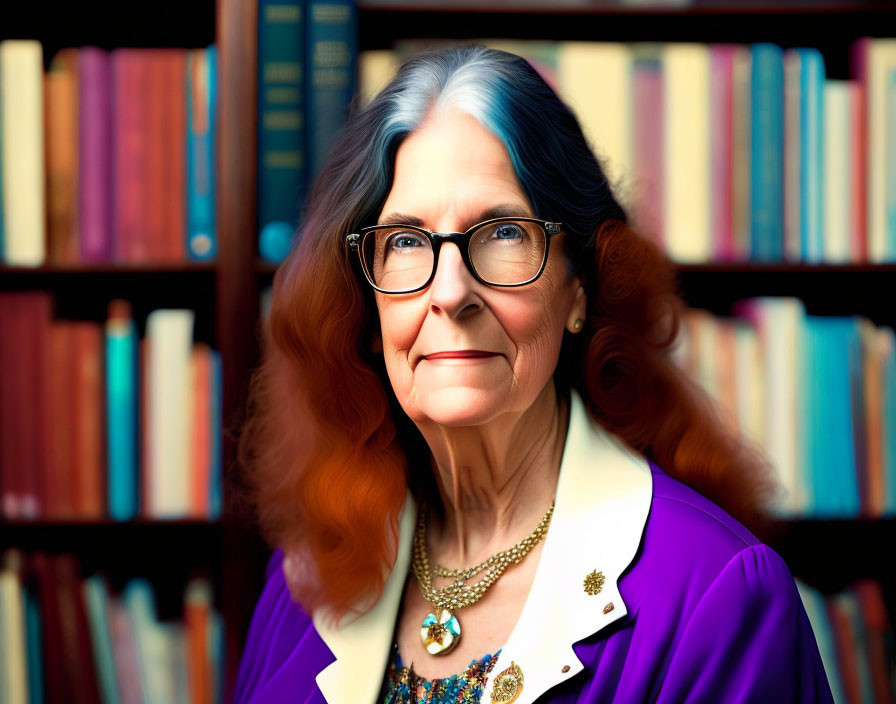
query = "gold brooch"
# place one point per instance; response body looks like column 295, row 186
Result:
column 508, row 685
column 594, row 582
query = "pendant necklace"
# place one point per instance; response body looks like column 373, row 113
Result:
column 440, row 630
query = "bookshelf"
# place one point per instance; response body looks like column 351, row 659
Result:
column 225, row 293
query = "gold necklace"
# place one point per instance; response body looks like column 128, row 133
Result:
column 440, row 630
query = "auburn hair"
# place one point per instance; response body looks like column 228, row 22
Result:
column 325, row 448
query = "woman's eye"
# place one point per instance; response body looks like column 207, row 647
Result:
column 507, row 232
column 404, row 241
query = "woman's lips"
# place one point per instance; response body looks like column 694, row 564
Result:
column 460, row 354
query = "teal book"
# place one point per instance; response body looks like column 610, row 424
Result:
column 282, row 163
column 202, row 99
column 215, row 503
column 96, row 598
column 812, row 78
column 888, row 422
column 122, row 403
column 767, row 153
column 332, row 61
column 34, row 646
column 831, row 350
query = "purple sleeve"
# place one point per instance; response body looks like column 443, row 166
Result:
column 748, row 639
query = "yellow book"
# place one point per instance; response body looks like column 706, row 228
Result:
column 22, row 106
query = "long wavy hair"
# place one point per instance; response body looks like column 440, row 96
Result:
column 325, row 448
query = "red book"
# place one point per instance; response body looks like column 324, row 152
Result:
column 845, row 644
column 41, row 575
column 8, row 446
column 878, row 637
column 77, row 643
column 60, row 375
column 200, row 440
column 88, row 417
column 129, row 79
column 156, row 111
column 173, row 152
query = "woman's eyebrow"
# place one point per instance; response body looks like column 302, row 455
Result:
column 504, row 210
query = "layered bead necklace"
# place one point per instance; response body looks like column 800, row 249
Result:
column 440, row 630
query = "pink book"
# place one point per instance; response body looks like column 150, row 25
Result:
column 721, row 58
column 95, row 150
column 127, row 667
column 647, row 167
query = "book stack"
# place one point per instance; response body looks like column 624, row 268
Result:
column 855, row 639
column 725, row 152
column 108, row 157
column 307, row 63
column 64, row 633
column 96, row 423
column 818, row 393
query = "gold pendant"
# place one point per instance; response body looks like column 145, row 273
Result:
column 508, row 685
column 440, row 632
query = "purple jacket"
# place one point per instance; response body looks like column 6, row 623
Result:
column 692, row 608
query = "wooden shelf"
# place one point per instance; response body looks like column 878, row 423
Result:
column 108, row 268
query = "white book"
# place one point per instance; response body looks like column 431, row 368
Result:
column 748, row 379
column 153, row 642
column 594, row 80
column 686, row 147
column 838, row 206
column 170, row 337
column 22, row 106
column 881, row 65
column 376, row 67
column 13, row 672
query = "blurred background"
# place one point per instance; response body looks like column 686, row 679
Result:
column 155, row 158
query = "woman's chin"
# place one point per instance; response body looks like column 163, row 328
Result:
column 462, row 406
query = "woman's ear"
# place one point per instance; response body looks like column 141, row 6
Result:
column 576, row 321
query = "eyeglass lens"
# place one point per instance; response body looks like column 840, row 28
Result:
column 507, row 252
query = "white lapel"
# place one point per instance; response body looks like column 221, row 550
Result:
column 362, row 647
column 603, row 496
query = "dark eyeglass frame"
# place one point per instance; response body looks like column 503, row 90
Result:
column 462, row 240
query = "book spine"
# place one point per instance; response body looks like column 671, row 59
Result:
column 121, row 400
column 94, row 173
column 767, row 161
column 812, row 152
column 282, row 160
column 202, row 240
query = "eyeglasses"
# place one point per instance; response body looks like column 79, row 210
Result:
column 508, row 251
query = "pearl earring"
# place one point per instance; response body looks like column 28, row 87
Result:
column 578, row 324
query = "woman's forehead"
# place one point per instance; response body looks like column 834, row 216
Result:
column 452, row 165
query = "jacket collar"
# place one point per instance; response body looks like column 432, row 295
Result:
column 603, row 497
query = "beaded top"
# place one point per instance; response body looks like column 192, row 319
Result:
column 404, row 686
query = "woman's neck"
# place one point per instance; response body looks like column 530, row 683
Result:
column 495, row 481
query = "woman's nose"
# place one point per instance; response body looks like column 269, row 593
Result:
column 453, row 288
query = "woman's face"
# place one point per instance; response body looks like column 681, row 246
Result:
column 448, row 174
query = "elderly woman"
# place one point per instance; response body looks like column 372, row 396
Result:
column 483, row 477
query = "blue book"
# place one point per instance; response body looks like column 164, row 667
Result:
column 812, row 78
column 33, row 646
column 282, row 163
column 831, row 350
column 332, row 59
column 215, row 502
column 96, row 597
column 122, row 403
column 767, row 153
column 202, row 99
column 888, row 422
